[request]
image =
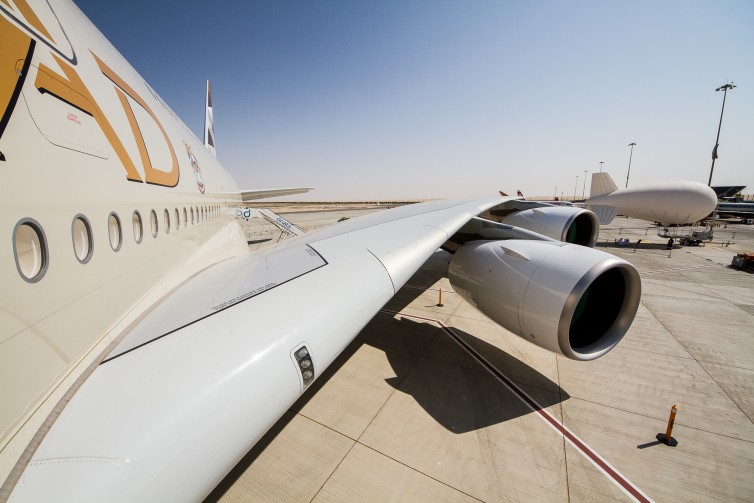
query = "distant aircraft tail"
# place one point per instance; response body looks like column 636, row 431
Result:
column 602, row 184
column 209, row 123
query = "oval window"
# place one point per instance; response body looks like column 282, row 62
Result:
column 81, row 234
column 138, row 228
column 114, row 231
column 192, row 216
column 177, row 220
column 153, row 222
column 30, row 250
column 185, row 217
column 166, row 219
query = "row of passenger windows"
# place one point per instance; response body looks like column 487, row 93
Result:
column 30, row 244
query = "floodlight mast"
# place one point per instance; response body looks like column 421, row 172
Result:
column 632, row 145
column 724, row 89
column 583, row 190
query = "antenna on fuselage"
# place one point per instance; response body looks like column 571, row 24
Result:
column 209, row 123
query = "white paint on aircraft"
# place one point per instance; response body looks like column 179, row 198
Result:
column 681, row 202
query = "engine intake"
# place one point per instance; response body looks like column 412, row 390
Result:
column 563, row 223
column 572, row 300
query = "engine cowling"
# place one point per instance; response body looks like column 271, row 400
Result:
column 564, row 223
column 572, row 300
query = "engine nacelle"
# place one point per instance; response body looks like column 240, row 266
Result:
column 564, row 223
column 572, row 300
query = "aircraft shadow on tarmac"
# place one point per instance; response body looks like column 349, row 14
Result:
column 457, row 391
column 642, row 246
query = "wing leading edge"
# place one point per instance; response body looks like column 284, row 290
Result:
column 250, row 195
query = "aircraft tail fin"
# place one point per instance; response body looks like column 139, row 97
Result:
column 605, row 214
column 209, row 123
column 602, row 184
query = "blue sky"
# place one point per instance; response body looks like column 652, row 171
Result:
column 435, row 98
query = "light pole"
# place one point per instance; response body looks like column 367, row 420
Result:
column 632, row 145
column 575, row 187
column 583, row 190
column 724, row 89
column 601, row 163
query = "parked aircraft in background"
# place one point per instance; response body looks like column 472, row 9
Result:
column 742, row 210
column 133, row 315
column 667, row 203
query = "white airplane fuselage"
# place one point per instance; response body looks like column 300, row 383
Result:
column 86, row 138
column 681, row 202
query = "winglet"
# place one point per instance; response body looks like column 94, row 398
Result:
column 209, row 123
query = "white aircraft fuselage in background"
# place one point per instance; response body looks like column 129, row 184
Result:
column 668, row 203
column 133, row 315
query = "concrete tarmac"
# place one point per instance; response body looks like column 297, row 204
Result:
column 406, row 415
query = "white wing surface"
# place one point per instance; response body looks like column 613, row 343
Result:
column 206, row 373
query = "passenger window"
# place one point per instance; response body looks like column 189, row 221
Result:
column 192, row 216
column 138, row 228
column 177, row 220
column 153, row 221
column 81, row 234
column 167, row 222
column 30, row 250
column 114, row 231
column 185, row 217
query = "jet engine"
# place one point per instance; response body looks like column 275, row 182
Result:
column 563, row 223
column 572, row 300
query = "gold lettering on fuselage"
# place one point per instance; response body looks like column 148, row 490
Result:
column 152, row 174
column 71, row 89
column 16, row 45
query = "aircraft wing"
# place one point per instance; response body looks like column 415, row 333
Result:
column 250, row 195
column 184, row 395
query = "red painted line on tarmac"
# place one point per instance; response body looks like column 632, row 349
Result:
column 616, row 477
